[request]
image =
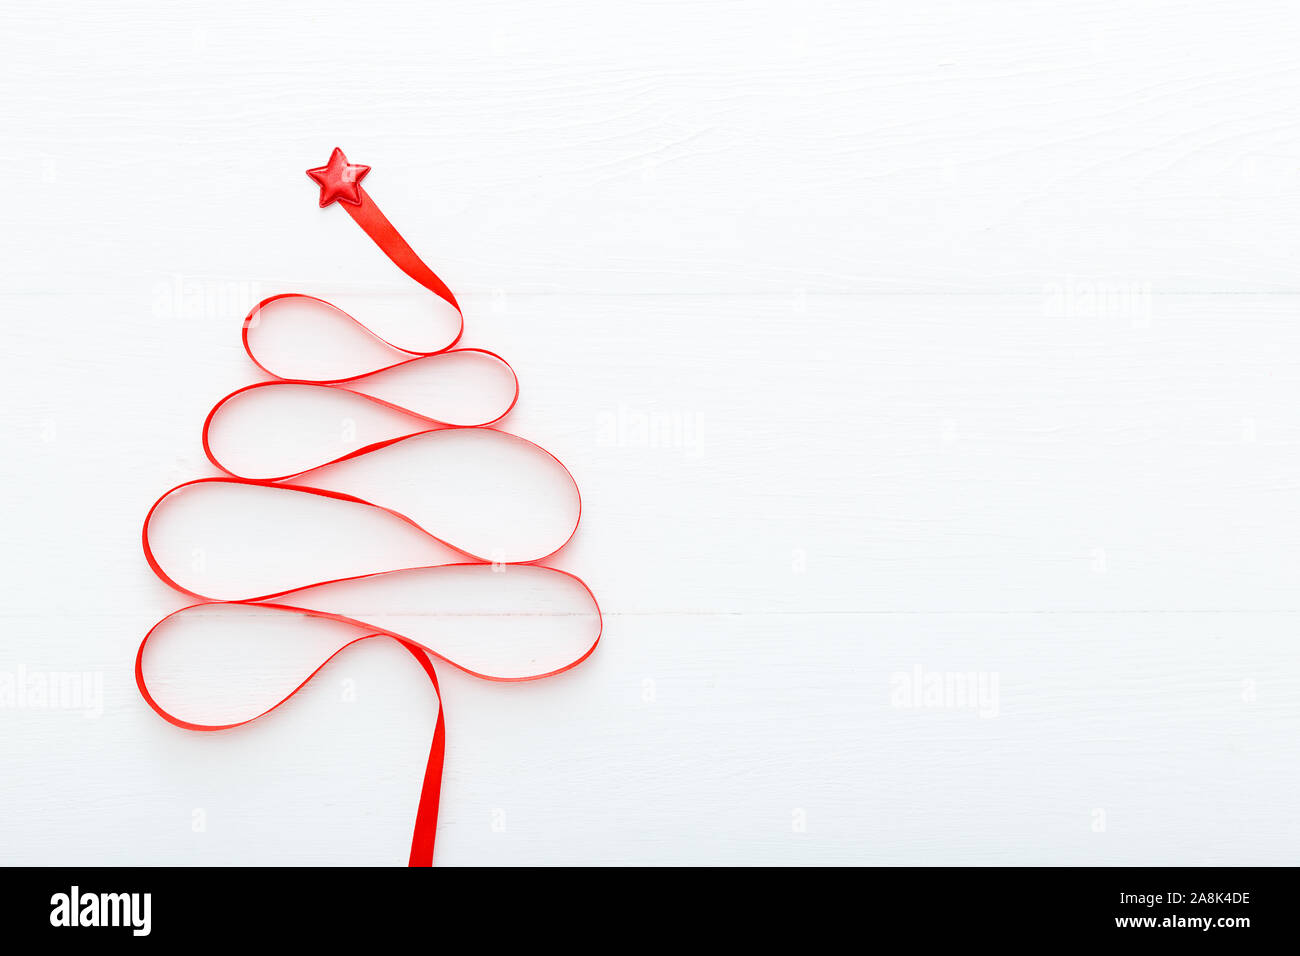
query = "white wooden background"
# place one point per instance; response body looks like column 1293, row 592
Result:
column 977, row 323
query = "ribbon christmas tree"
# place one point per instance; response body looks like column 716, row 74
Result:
column 275, row 591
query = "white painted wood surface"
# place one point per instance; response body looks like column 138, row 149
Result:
column 973, row 328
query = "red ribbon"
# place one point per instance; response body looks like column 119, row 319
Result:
column 341, row 181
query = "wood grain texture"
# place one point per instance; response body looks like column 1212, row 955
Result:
column 914, row 335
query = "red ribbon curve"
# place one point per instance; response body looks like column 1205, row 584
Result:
column 341, row 181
